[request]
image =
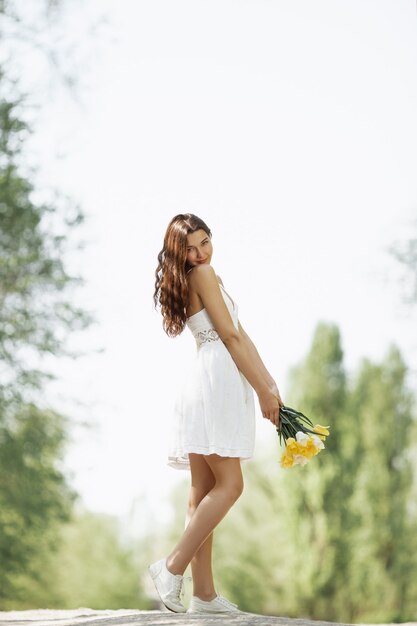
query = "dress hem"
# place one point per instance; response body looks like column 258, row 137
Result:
column 180, row 459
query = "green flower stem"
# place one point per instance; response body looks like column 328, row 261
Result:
column 291, row 422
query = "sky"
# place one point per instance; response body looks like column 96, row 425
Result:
column 289, row 127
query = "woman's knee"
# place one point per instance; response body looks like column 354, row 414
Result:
column 202, row 480
column 235, row 488
column 202, row 477
column 198, row 493
column 228, row 474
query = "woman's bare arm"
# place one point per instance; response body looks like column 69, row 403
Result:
column 256, row 356
column 242, row 351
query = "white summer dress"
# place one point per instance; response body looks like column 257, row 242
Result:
column 214, row 412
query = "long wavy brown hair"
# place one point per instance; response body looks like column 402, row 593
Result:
column 171, row 287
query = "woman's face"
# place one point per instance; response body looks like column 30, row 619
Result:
column 199, row 248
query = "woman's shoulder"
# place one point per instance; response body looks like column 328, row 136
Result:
column 197, row 271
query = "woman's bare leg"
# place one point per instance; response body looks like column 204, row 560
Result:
column 211, row 510
column 202, row 481
column 202, row 573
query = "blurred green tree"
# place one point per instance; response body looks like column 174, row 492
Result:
column 35, row 317
column 91, row 566
column 382, row 411
column 49, row 555
column 35, row 312
column 319, row 516
column 35, row 498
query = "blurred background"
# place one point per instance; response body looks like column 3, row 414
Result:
column 289, row 127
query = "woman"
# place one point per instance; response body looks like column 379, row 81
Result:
column 214, row 426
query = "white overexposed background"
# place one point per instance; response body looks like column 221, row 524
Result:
column 289, row 127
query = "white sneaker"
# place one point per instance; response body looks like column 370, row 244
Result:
column 217, row 605
column 169, row 586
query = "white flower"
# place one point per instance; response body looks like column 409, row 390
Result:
column 302, row 438
column 318, row 443
column 299, row 459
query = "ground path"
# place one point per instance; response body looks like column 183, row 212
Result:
column 133, row 617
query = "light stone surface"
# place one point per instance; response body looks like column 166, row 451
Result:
column 132, row 617
column 122, row 617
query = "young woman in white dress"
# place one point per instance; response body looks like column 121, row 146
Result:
column 187, row 288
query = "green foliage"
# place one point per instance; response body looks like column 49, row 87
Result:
column 34, row 495
column 50, row 555
column 89, row 567
column 321, row 494
column 364, row 469
column 382, row 408
column 35, row 318
column 35, row 314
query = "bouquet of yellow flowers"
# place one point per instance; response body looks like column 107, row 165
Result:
column 302, row 440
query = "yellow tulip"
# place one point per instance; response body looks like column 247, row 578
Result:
column 310, row 449
column 287, row 460
column 322, row 431
column 291, row 448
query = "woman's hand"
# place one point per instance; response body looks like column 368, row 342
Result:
column 270, row 403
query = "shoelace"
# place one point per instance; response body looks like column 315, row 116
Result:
column 226, row 602
column 184, row 578
column 180, row 586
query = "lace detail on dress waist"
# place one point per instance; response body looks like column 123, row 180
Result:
column 209, row 334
